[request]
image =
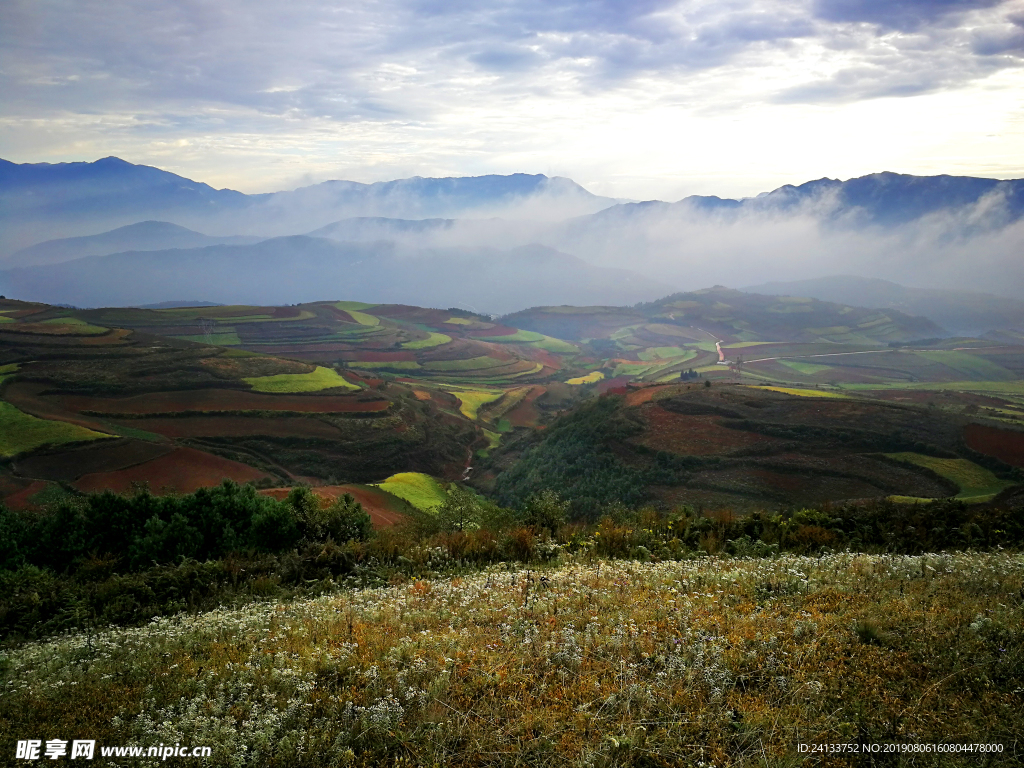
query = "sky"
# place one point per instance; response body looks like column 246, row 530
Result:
column 638, row 99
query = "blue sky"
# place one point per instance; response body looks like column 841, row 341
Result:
column 640, row 99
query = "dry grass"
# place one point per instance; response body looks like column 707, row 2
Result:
column 724, row 662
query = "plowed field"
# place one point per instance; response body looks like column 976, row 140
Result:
column 184, row 470
column 223, row 400
column 236, row 426
column 1006, row 445
column 694, row 435
column 68, row 465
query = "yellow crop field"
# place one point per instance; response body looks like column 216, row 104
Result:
column 590, row 378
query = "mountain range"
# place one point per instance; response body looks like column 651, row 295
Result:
column 937, row 233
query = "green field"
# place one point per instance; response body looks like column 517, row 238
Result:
column 362, row 318
column 321, row 378
column 663, row 353
column 6, row 319
column 433, row 340
column 80, row 326
column 20, row 432
column 396, row 365
column 555, row 346
column 224, row 339
column 348, row 306
column 465, row 364
column 975, row 483
column 420, row 490
column 808, row 369
column 969, row 365
column 517, row 337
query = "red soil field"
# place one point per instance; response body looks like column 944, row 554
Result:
column 644, row 394
column 222, row 400
column 102, row 457
column 286, row 312
column 381, row 506
column 526, row 414
column 184, row 470
column 20, row 500
column 693, row 435
column 615, row 383
column 1006, row 445
column 25, row 395
column 236, row 426
column 380, row 357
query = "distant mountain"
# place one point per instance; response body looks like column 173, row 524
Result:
column 144, row 236
column 965, row 313
column 369, row 228
column 67, row 199
column 300, row 269
column 732, row 315
column 40, row 200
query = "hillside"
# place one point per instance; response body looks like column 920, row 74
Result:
column 743, row 448
column 963, row 313
column 144, row 236
column 88, row 406
column 732, row 315
column 301, row 269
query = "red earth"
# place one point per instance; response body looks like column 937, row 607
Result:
column 1004, row 444
column 236, row 426
column 184, row 470
column 222, row 400
column 103, row 456
column 693, row 435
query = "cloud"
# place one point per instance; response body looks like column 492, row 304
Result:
column 454, row 86
column 904, row 15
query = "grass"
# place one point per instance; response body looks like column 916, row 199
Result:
column 348, row 306
column 805, row 392
column 9, row 368
column 398, row 365
column 808, row 369
column 975, row 483
column 222, row 339
column 726, row 662
column 459, row 321
column 80, row 326
column 21, row 432
column 556, row 346
column 518, row 337
column 590, row 378
column 432, row 340
column 662, row 353
column 969, row 365
column 362, row 318
column 420, row 490
column 471, row 400
column 6, row 319
column 321, row 378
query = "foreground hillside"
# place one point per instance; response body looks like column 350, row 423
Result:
column 707, row 661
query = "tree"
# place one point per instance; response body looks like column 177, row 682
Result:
column 460, row 511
